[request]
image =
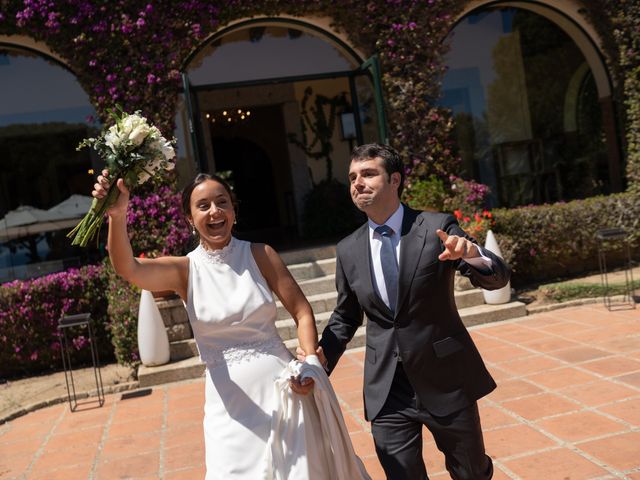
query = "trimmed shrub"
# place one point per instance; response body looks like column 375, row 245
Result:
column 445, row 195
column 124, row 301
column 555, row 241
column 562, row 292
column 426, row 194
column 29, row 314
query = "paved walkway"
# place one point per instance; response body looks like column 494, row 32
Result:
column 567, row 407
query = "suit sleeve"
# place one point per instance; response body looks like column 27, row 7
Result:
column 344, row 321
column 492, row 280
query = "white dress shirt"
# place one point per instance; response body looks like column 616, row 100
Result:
column 395, row 223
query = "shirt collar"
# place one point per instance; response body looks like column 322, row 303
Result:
column 394, row 221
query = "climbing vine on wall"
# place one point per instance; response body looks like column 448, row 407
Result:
column 618, row 24
column 132, row 52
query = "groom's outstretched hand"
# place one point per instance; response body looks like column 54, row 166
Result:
column 456, row 247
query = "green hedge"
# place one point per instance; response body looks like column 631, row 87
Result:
column 554, row 241
column 562, row 292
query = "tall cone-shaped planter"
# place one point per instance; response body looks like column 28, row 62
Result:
column 502, row 295
column 153, row 342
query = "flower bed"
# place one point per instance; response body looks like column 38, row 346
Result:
column 29, row 314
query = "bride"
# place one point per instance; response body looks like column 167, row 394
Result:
column 255, row 427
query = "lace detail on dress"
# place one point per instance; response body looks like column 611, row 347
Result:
column 241, row 352
column 215, row 256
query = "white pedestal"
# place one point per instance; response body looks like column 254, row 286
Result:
column 502, row 295
column 153, row 342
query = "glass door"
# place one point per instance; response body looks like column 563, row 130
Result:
column 368, row 102
column 191, row 104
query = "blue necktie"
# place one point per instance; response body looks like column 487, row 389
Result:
column 389, row 265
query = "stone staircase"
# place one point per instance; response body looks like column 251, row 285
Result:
column 314, row 270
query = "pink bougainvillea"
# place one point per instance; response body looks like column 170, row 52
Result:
column 29, row 315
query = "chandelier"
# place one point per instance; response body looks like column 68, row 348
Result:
column 228, row 117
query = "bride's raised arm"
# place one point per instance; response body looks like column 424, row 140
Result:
column 164, row 273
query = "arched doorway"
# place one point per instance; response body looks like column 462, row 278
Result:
column 247, row 164
column 45, row 114
column 531, row 102
column 295, row 91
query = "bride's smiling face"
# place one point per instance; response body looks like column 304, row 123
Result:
column 212, row 214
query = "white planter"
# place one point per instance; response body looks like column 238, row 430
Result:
column 502, row 295
column 153, row 342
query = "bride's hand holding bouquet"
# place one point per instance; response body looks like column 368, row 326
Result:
column 134, row 152
column 101, row 189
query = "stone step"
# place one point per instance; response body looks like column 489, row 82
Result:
column 326, row 302
column 183, row 349
column 492, row 313
column 306, row 255
column 170, row 372
column 303, row 272
column 462, row 283
column 320, row 303
column 287, row 328
column 470, row 316
column 315, row 286
column 468, row 298
column 309, row 270
column 194, row 368
column 175, row 319
column 358, row 340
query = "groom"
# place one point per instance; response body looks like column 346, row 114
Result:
column 421, row 365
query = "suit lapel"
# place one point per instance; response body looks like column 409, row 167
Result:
column 411, row 245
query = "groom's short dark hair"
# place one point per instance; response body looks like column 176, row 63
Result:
column 389, row 155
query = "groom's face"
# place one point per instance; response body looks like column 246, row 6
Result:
column 370, row 185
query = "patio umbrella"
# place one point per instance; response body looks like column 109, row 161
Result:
column 27, row 220
column 73, row 207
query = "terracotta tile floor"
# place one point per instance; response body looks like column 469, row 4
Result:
column 567, row 407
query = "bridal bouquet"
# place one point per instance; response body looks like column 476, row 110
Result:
column 132, row 150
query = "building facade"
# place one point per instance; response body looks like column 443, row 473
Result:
column 526, row 94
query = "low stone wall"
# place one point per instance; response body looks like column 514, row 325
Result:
column 175, row 319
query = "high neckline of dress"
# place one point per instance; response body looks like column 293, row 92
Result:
column 219, row 255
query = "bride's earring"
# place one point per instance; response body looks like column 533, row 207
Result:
column 193, row 229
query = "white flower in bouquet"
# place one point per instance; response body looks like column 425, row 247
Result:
column 132, row 150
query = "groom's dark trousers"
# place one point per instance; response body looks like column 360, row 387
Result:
column 421, row 365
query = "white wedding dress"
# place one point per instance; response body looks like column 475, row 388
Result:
column 254, row 426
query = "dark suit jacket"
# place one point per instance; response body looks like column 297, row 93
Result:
column 438, row 354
